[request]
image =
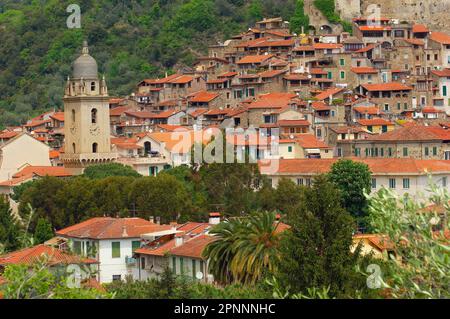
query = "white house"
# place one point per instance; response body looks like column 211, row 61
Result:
column 110, row 241
column 21, row 151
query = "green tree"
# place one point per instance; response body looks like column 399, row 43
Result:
column 418, row 229
column 108, row 170
column 245, row 248
column 9, row 227
column 299, row 20
column 315, row 253
column 43, row 231
column 353, row 179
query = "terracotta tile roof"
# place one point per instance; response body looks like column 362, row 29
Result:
column 228, row 75
column 297, row 77
column 393, row 86
column 414, row 133
column 310, row 141
column 291, row 123
column 272, row 100
column 317, row 71
column 367, row 48
column 371, row 110
column 217, row 81
column 183, row 79
column 430, row 109
column 440, row 37
column 157, row 248
column 271, row 74
column 117, row 111
column 125, row 143
column 442, row 73
column 374, row 121
column 419, row 28
column 324, row 46
column 37, row 123
column 53, row 154
column 250, row 59
column 347, row 129
column 320, row 106
column 56, row 256
column 277, row 33
column 304, row 48
column 193, row 248
column 179, row 142
column 382, row 242
column 364, row 70
column 29, row 172
column 419, row 42
column 59, row 116
column 171, row 128
column 203, row 97
column 198, row 112
column 326, row 94
column 111, row 228
column 374, row 28
column 8, row 135
column 273, row 43
column 378, row 166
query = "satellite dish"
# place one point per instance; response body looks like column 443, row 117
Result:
column 199, row 275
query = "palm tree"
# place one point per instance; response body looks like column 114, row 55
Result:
column 244, row 248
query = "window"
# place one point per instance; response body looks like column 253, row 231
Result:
column 357, row 152
column 444, row 181
column 308, row 182
column 382, row 152
column 386, row 107
column 434, row 151
column 370, row 128
column 406, row 183
column 143, row 263
column 405, row 151
column 342, row 62
column 374, row 183
column 92, row 86
column 194, row 268
column 94, row 148
column 74, row 148
column 77, row 247
column 444, row 90
column 73, row 116
column 117, row 277
column 94, row 116
column 330, row 75
column 342, row 75
column 290, row 149
column 390, row 152
column 181, row 265
column 339, row 152
column 115, row 249
column 174, row 265
column 384, row 128
column 405, row 106
column 135, row 245
column 392, row 183
column 427, row 152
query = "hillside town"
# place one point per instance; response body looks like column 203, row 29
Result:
column 295, row 104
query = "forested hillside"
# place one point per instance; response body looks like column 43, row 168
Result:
column 131, row 40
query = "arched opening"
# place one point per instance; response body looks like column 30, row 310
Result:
column 94, row 116
column 386, row 45
column 74, row 148
column 73, row 116
column 92, row 86
column 326, row 29
column 94, row 148
column 147, row 148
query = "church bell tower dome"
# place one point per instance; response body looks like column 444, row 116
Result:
column 85, row 65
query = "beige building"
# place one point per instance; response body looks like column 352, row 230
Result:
column 20, row 152
column 86, row 116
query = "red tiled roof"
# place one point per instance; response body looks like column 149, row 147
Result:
column 53, row 154
column 442, row 73
column 374, row 121
column 376, row 165
column 183, row 79
column 320, row 106
column 111, row 228
column 440, row 37
column 414, row 133
column 8, row 135
column 419, row 42
column 197, row 112
column 420, row 28
column 254, row 59
column 393, row 86
column 228, row 75
column 117, row 111
column 374, row 28
column 317, row 71
column 272, row 73
column 364, row 70
column 272, row 100
column 371, row 110
column 326, row 94
column 291, row 123
column 126, row 143
column 203, row 97
column 59, row 116
column 367, row 48
column 28, row 256
column 324, row 46
column 310, row 141
column 193, row 248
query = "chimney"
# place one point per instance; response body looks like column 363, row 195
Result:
column 214, row 218
column 124, row 231
column 179, row 240
column 152, row 219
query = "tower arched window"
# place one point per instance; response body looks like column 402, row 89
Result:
column 94, row 148
column 74, row 148
column 73, row 116
column 92, row 86
column 94, row 116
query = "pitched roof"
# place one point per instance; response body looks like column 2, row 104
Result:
column 272, row 100
column 326, row 94
column 442, row 73
column 371, row 110
column 193, row 248
column 117, row 111
column 310, row 141
column 374, row 121
column 324, row 46
column 203, row 97
column 290, row 123
column 126, row 143
column 420, row 28
column 30, row 255
column 393, row 86
column 418, row 42
column 250, row 59
column 29, row 172
column 377, row 166
column 414, row 133
column 111, row 228
column 364, row 70
column 59, row 116
column 440, row 37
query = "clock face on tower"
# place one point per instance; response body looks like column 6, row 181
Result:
column 95, row 130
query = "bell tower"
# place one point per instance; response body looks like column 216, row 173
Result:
column 86, row 116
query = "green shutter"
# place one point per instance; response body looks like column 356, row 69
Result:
column 115, row 249
column 135, row 245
